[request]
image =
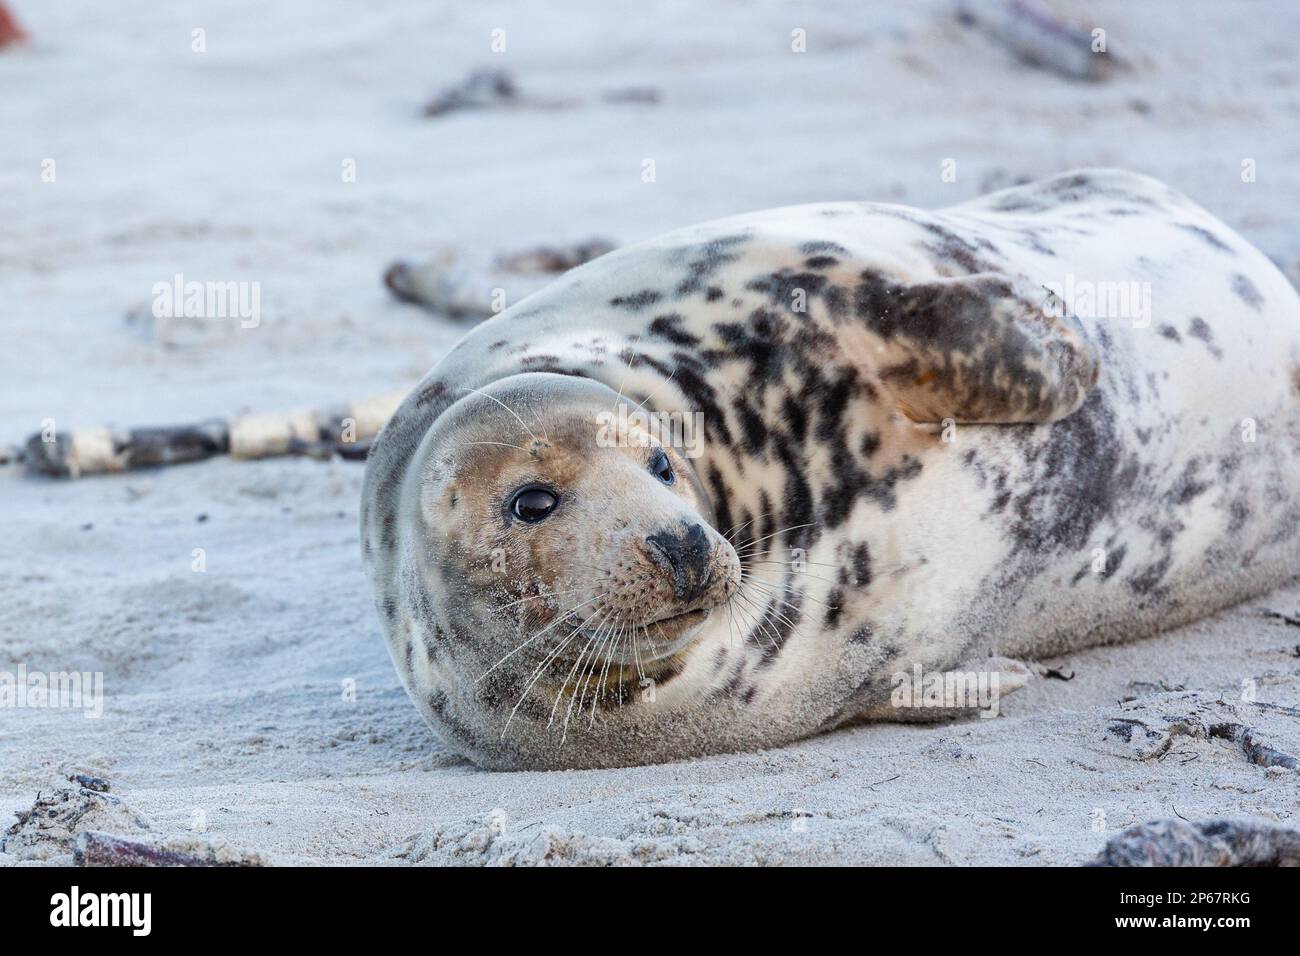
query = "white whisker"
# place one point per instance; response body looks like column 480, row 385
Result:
column 520, row 647
column 783, row 589
column 589, row 647
column 641, row 404
column 493, row 398
column 752, row 544
column 537, row 672
column 736, row 528
column 815, row 577
column 754, row 617
column 592, row 635
column 503, row 444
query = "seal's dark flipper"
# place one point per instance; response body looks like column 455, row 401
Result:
column 979, row 349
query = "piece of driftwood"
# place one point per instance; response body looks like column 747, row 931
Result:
column 94, row 848
column 49, row 829
column 495, row 89
column 440, row 285
column 346, row 431
column 1256, row 751
column 643, row 95
column 488, row 89
column 1149, row 727
column 90, row 782
column 451, row 286
column 1038, row 37
column 1213, row 843
column 1290, row 620
column 554, row 259
column 481, row 89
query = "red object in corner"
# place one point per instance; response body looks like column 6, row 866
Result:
column 10, row 32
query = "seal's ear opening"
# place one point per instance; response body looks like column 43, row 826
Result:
column 978, row 349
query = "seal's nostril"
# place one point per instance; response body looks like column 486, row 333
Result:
column 686, row 555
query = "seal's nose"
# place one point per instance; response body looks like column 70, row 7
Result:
column 685, row 556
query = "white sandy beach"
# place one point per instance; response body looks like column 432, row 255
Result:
column 226, row 717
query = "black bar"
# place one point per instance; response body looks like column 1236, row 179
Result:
column 208, row 906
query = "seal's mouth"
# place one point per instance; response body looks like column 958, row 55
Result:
column 657, row 639
column 672, row 635
column 675, row 625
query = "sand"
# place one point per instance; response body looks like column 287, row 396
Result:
column 252, row 705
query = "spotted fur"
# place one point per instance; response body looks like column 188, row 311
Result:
column 908, row 399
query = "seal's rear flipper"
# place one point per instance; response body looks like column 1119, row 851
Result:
column 982, row 348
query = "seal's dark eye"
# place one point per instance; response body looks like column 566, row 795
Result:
column 661, row 467
column 533, row 504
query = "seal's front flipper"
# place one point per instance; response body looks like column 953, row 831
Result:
column 973, row 689
column 983, row 348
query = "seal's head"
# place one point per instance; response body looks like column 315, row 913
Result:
column 557, row 556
